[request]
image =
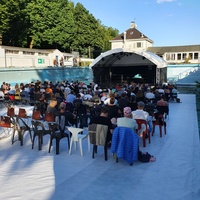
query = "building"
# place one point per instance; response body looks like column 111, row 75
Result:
column 26, row 57
column 134, row 40
column 178, row 54
column 131, row 39
column 128, row 60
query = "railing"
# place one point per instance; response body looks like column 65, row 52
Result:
column 181, row 75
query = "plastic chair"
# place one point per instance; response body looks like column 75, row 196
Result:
column 39, row 130
column 164, row 110
column 21, row 128
column 58, row 132
column 159, row 121
column 145, row 133
column 7, row 123
column 77, row 137
column 98, row 136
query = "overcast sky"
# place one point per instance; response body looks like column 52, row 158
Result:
column 166, row 22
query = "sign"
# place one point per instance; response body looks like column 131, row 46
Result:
column 40, row 61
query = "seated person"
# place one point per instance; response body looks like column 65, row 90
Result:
column 162, row 101
column 123, row 101
column 132, row 103
column 17, row 94
column 127, row 120
column 114, row 110
column 162, row 108
column 96, row 99
column 141, row 114
column 149, row 94
column 174, row 93
column 52, row 106
column 104, row 120
column 70, row 118
column 111, row 95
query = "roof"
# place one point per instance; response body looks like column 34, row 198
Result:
column 26, row 49
column 162, row 50
column 125, row 57
column 132, row 34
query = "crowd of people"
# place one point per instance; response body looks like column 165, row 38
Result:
column 113, row 106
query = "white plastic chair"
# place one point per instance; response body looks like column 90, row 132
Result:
column 76, row 137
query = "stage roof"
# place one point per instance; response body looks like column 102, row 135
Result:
column 124, row 57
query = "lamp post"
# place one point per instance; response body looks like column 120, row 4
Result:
column 5, row 59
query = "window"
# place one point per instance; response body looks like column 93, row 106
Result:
column 184, row 56
column 139, row 45
column 11, row 51
column 191, row 56
column 43, row 54
column 179, row 56
column 28, row 53
column 172, row 56
column 196, row 56
column 168, row 56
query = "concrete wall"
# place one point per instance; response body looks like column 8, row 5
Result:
column 26, row 75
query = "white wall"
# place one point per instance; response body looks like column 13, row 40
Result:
column 41, row 58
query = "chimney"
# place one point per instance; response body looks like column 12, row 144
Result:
column 125, row 36
column 133, row 24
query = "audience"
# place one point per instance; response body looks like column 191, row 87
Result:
column 141, row 114
column 127, row 120
column 104, row 120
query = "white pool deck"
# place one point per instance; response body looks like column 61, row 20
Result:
column 27, row 174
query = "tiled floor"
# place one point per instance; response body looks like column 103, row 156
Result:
column 32, row 174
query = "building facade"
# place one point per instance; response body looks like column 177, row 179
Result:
column 134, row 40
column 25, row 57
column 131, row 39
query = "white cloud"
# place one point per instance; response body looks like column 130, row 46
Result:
column 163, row 1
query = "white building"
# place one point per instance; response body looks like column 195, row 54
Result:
column 131, row 39
column 26, row 57
column 134, row 40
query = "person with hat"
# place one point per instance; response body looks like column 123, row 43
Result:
column 127, row 120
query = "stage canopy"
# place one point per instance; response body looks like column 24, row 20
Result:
column 124, row 57
column 119, row 65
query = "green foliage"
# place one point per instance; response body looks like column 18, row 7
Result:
column 53, row 24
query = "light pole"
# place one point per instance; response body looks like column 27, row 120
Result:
column 5, row 59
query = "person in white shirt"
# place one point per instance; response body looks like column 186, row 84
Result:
column 107, row 101
column 149, row 94
column 141, row 114
column 88, row 96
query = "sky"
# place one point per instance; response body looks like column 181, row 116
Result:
column 166, row 22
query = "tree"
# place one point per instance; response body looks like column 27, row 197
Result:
column 53, row 24
column 12, row 22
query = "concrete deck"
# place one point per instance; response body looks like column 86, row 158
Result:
column 32, row 174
